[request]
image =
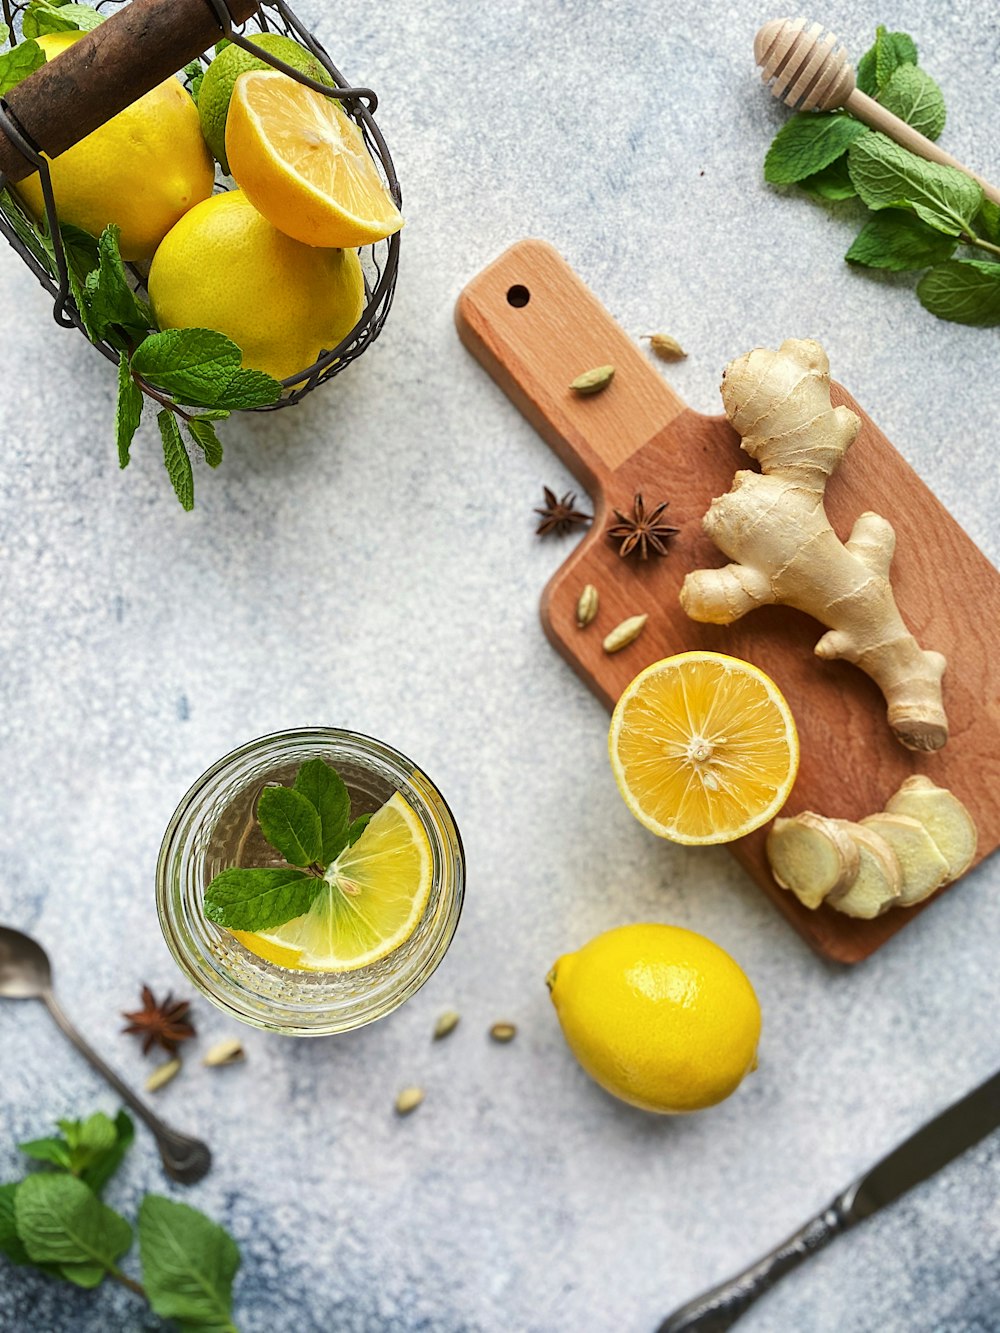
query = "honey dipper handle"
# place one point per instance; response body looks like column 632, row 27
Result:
column 108, row 69
column 865, row 108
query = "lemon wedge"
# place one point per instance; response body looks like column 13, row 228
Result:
column 703, row 747
column 303, row 163
column 373, row 898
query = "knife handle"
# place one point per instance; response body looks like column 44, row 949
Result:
column 719, row 1308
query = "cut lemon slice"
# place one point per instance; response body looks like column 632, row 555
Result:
column 374, row 896
column 303, row 163
column 703, row 747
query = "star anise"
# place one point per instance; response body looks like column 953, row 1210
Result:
column 559, row 516
column 163, row 1023
column 640, row 531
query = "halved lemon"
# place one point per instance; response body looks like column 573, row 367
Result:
column 703, row 747
column 303, row 163
column 374, row 896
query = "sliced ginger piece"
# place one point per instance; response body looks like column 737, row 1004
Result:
column 878, row 884
column 924, row 868
column 943, row 816
column 812, row 856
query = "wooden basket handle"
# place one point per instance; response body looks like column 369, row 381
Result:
column 108, row 69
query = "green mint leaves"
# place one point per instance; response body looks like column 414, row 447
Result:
column 921, row 212
column 42, row 16
column 188, row 1264
column 309, row 824
column 18, row 63
column 55, row 1221
column 202, row 368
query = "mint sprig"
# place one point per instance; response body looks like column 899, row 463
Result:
column 309, row 824
column 921, row 212
column 43, row 16
column 54, row 1221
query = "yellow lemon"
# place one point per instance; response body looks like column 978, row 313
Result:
column 229, row 64
column 371, row 902
column 224, row 267
column 703, row 748
column 304, row 163
column 142, row 170
column 660, row 1017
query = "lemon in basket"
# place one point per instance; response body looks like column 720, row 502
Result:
column 703, row 747
column 142, row 170
column 226, row 68
column 224, row 267
column 303, row 162
column 373, row 898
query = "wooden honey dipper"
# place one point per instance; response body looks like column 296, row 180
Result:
column 810, row 72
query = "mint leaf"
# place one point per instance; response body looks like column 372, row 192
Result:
column 18, row 63
column 176, row 459
column 258, row 899
column 103, row 1166
column 44, row 16
column 128, row 411
column 833, row 183
column 202, row 368
column 188, row 1264
column 291, row 824
column 110, row 298
column 61, row 1221
column 321, row 784
column 965, row 291
column 88, row 1139
column 915, row 97
column 808, row 143
column 987, row 221
column 202, row 431
column 878, row 64
column 52, row 1150
column 898, row 241
column 357, row 828
column 11, row 1244
column 194, row 72
column 888, row 176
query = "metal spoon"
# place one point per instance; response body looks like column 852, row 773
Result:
column 25, row 974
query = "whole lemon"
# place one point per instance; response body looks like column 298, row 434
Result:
column 142, row 170
column 659, row 1016
column 232, row 61
column 224, row 267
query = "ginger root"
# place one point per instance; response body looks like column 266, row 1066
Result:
column 923, row 839
column 774, row 527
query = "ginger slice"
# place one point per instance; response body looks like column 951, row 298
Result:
column 879, row 881
column 924, row 868
column 943, row 816
column 812, row 856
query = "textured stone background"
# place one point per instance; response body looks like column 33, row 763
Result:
column 368, row 560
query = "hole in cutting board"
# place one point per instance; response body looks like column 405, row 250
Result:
column 518, row 296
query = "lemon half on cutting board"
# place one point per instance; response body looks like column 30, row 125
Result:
column 373, row 899
column 703, row 748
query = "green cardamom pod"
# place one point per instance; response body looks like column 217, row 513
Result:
column 593, row 381
column 625, row 633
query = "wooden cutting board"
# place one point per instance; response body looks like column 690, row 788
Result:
column 535, row 326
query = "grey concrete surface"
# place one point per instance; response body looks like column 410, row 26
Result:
column 368, row 560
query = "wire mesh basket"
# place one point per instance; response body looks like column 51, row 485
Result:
column 42, row 250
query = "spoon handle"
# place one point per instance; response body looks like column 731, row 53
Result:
column 184, row 1159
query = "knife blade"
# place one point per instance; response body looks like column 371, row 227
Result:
column 925, row 1152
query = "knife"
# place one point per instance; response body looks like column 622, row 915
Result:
column 933, row 1146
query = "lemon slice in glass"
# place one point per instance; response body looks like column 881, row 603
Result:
column 304, row 164
column 373, row 898
column 703, row 748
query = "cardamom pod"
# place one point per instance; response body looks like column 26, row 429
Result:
column 625, row 633
column 162, row 1075
column 665, row 347
column 593, row 381
column 503, row 1032
column 446, row 1024
column 586, row 607
column 228, row 1052
column 408, row 1100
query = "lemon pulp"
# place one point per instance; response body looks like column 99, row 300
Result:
column 304, row 165
column 371, row 901
column 703, row 748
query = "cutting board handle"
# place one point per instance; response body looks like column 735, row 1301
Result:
column 535, row 326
